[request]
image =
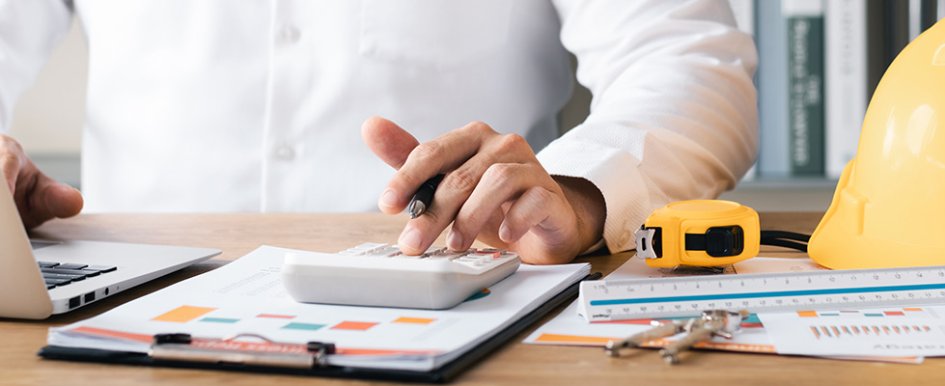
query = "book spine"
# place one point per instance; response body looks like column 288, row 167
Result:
column 846, row 80
column 805, row 35
column 772, row 81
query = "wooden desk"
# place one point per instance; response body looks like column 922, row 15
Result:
column 515, row 363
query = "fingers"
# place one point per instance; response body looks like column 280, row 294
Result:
column 441, row 155
column 460, row 183
column 486, row 175
column 452, row 192
column 47, row 199
column 38, row 198
column 534, row 196
column 60, row 200
column 533, row 209
column 388, row 140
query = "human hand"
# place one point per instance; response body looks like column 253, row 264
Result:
column 38, row 197
column 494, row 189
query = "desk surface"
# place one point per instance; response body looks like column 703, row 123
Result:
column 515, row 363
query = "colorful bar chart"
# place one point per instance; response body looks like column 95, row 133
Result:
column 198, row 314
column 183, row 314
column 841, row 331
column 908, row 311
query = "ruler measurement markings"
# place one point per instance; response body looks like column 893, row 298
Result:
column 825, row 289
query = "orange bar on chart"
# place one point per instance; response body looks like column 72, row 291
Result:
column 807, row 314
column 409, row 320
column 355, row 326
column 574, row 339
column 183, row 314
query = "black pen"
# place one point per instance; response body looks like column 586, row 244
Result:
column 422, row 200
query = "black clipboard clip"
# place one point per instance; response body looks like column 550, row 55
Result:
column 241, row 349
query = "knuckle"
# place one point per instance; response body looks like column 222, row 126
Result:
column 402, row 177
column 508, row 143
column 500, row 174
column 427, row 152
column 8, row 144
column 480, row 127
column 9, row 161
column 462, row 179
column 540, row 194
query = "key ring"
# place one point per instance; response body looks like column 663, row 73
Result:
column 708, row 325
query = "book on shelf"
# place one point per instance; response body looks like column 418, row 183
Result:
column 770, row 37
column 847, row 80
column 805, row 92
column 744, row 13
column 819, row 62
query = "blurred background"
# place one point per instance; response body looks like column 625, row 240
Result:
column 842, row 47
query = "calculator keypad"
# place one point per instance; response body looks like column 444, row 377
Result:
column 474, row 258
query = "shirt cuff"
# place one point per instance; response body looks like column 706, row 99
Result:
column 615, row 173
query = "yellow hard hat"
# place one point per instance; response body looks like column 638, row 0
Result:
column 889, row 206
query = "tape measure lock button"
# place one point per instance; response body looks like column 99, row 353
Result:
column 722, row 241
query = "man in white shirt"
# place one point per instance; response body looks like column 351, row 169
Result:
column 255, row 106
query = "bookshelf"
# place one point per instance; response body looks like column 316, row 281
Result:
column 819, row 62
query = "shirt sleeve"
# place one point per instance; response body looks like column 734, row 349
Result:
column 673, row 115
column 29, row 30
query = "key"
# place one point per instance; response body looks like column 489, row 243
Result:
column 71, row 266
column 101, row 268
column 711, row 324
column 660, row 330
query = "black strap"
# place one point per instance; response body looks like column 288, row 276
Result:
column 785, row 239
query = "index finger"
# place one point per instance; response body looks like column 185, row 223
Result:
column 429, row 159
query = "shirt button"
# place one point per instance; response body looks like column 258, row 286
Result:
column 285, row 153
column 289, row 34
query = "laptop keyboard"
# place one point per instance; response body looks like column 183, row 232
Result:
column 60, row 274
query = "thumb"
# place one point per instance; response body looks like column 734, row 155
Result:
column 48, row 199
column 61, row 200
column 388, row 141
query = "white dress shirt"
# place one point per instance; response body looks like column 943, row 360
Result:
column 216, row 105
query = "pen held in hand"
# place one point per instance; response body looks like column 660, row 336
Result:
column 422, row 200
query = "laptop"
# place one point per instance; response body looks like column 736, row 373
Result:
column 43, row 278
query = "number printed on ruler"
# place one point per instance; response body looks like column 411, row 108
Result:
column 635, row 298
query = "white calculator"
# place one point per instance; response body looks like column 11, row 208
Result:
column 374, row 274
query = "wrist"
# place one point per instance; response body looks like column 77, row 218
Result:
column 589, row 209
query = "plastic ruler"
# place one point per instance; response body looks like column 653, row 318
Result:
column 686, row 296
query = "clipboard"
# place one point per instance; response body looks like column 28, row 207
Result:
column 317, row 352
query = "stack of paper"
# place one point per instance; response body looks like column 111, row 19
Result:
column 246, row 296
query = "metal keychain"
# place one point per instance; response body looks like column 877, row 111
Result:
column 707, row 326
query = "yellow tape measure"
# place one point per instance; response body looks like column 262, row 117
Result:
column 701, row 233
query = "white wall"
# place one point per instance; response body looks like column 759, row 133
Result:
column 48, row 122
column 48, row 117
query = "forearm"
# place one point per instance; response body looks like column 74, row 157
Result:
column 674, row 106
